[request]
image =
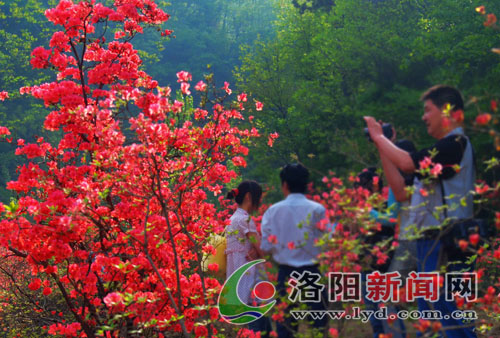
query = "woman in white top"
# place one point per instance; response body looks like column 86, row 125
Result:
column 243, row 240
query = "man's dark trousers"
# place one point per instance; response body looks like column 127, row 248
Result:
column 290, row 325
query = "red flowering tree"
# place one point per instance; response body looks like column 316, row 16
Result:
column 114, row 216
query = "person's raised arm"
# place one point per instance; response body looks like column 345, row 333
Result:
column 394, row 178
column 400, row 158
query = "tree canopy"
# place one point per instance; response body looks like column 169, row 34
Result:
column 327, row 68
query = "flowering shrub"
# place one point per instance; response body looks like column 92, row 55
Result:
column 113, row 218
column 349, row 209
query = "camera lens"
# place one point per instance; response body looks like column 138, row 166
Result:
column 386, row 130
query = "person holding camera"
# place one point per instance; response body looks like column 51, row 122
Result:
column 452, row 156
column 394, row 218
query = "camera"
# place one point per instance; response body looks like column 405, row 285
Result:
column 386, row 129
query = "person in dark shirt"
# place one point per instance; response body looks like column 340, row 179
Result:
column 452, row 154
column 449, row 152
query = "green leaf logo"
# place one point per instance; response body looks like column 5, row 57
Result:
column 232, row 309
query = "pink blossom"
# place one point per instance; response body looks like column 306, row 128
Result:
column 213, row 267
column 239, row 161
column 200, row 113
column 185, row 88
column 183, row 76
column 35, row 284
column 113, row 298
column 201, row 331
column 102, row 12
column 177, row 107
column 167, row 32
column 474, row 239
column 218, row 107
column 496, row 254
column 271, row 139
column 201, row 86
column 24, row 90
column 31, row 151
column 272, row 239
column 227, row 89
column 119, row 35
column 4, row 131
column 321, row 225
column 116, row 17
column 69, row 330
column 333, row 333
column 60, row 40
column 242, row 97
column 259, row 105
column 425, row 163
column 481, row 189
column 4, row 95
column 483, row 119
column 436, row 170
column 291, row 245
column 132, row 27
column 40, row 57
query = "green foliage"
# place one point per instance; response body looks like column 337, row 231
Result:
column 313, row 5
column 23, row 27
column 326, row 69
column 209, row 33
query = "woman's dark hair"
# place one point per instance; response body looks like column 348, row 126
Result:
column 239, row 193
column 407, row 146
column 296, row 176
column 365, row 179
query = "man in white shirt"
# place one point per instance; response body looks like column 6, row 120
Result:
column 290, row 229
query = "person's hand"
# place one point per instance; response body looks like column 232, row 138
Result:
column 252, row 254
column 374, row 128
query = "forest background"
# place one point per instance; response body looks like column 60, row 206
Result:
column 318, row 67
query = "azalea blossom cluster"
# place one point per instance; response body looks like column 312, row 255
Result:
column 487, row 121
column 348, row 209
column 114, row 217
column 491, row 18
